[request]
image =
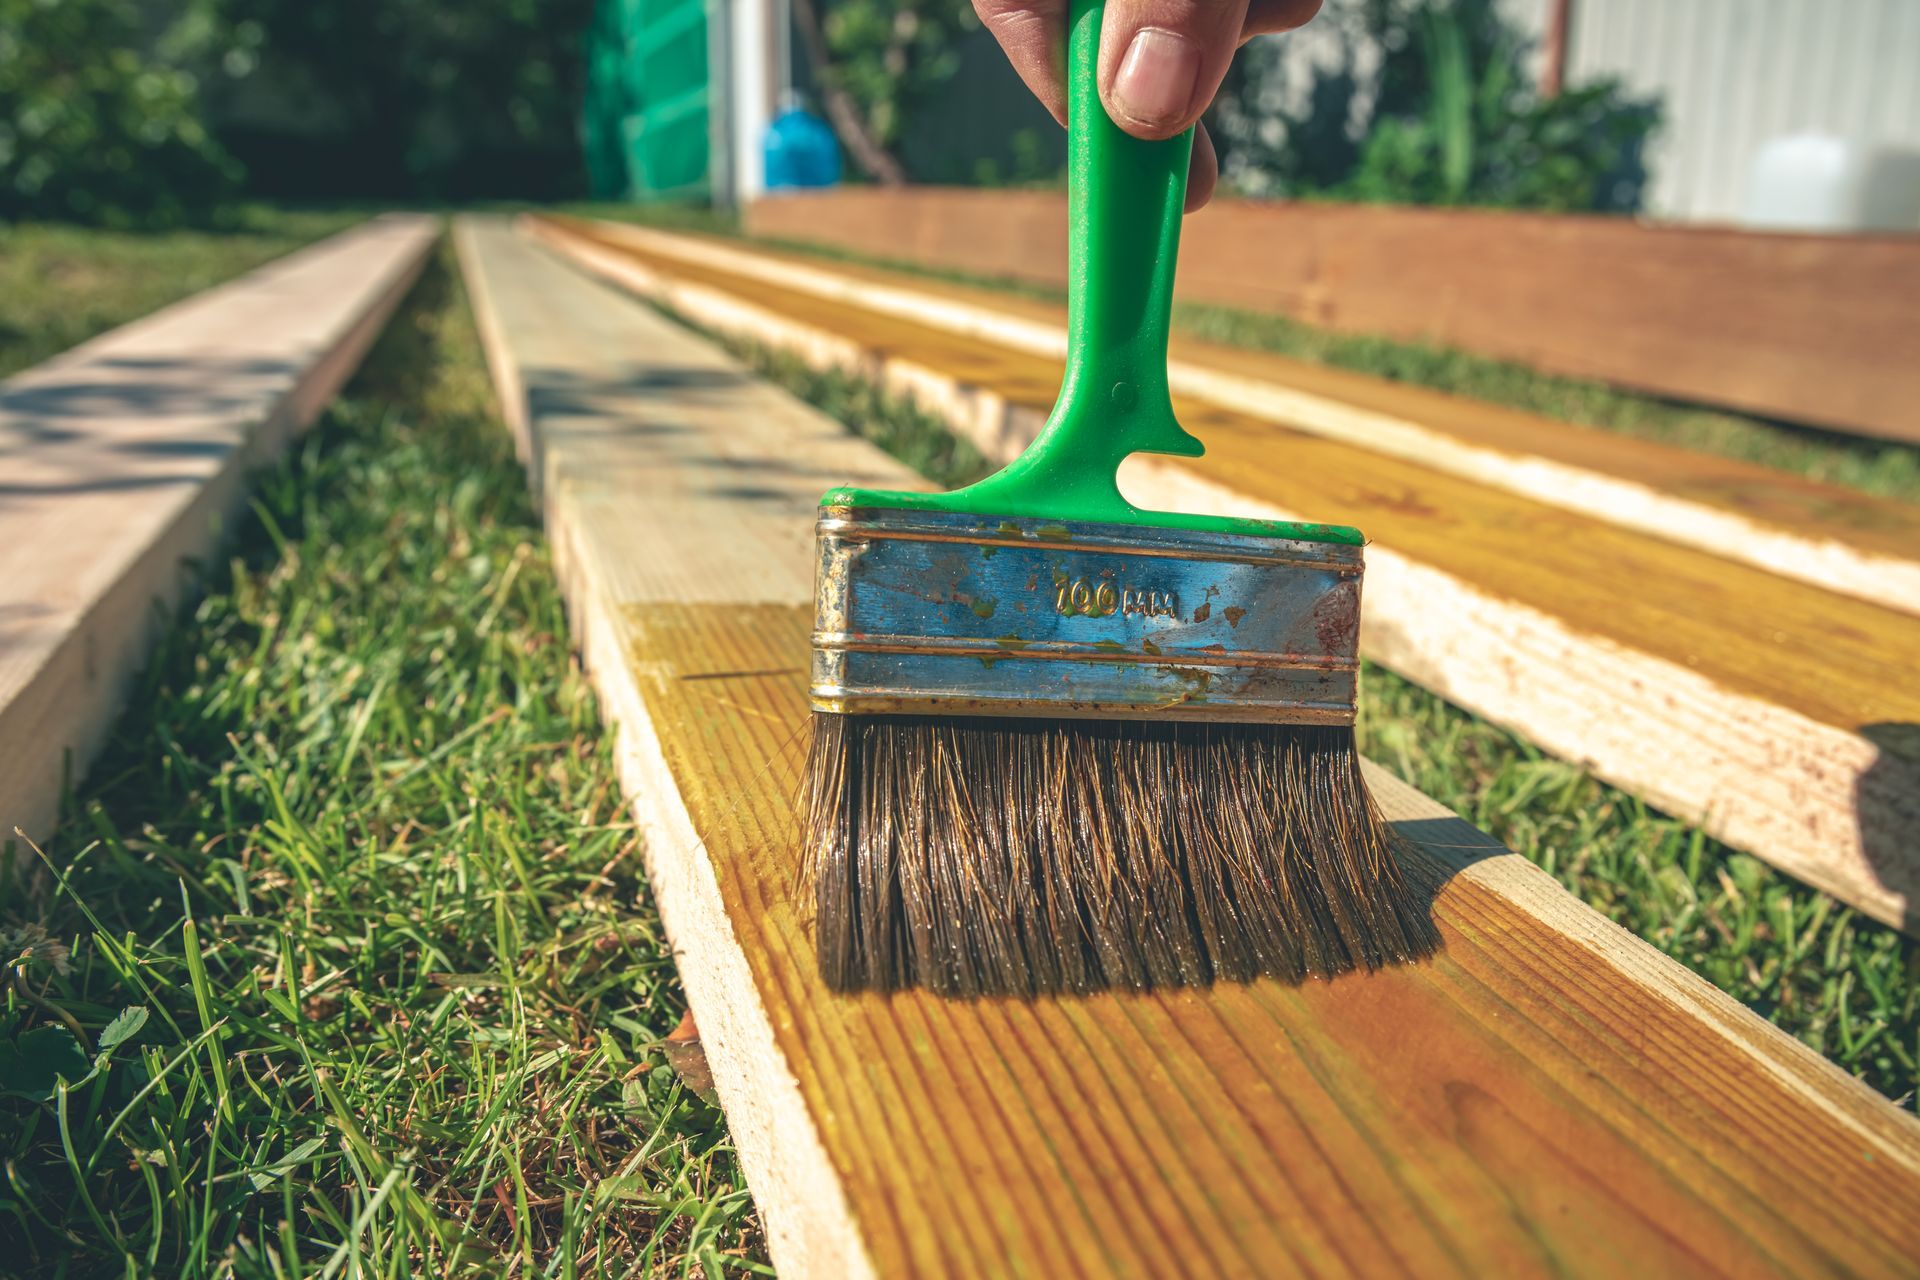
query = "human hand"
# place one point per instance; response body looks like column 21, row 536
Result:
column 1161, row 61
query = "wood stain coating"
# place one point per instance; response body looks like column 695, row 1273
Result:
column 1518, row 1106
column 1548, row 1096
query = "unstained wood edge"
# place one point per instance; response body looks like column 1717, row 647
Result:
column 509, row 391
column 809, row 1222
column 1827, row 762
column 87, row 676
column 811, row 1230
column 1830, row 563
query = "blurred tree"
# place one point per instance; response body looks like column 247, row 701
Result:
column 1424, row 102
column 874, row 62
column 98, row 123
column 405, row 98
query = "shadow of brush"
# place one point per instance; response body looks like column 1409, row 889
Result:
column 1887, row 809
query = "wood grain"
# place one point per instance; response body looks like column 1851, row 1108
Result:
column 1549, row 1096
column 121, row 460
column 1778, row 716
column 1792, row 527
column 1818, row 328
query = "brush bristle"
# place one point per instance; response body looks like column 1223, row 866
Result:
column 979, row 856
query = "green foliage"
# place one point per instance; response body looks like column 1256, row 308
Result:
column 1486, row 138
column 1449, row 119
column 1033, row 162
column 891, row 55
column 875, row 61
column 405, row 97
column 34, row 1063
column 358, row 851
column 97, row 127
column 106, row 117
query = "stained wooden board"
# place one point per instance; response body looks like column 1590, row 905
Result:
column 1549, row 1095
column 1793, row 527
column 1817, row 328
column 1779, row 716
column 120, row 460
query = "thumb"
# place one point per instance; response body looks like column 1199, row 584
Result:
column 1161, row 61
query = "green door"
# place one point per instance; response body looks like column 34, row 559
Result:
column 646, row 121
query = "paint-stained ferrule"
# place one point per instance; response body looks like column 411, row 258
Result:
column 954, row 614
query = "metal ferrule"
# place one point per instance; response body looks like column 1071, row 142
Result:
column 922, row 611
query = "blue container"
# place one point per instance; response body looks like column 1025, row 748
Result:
column 799, row 150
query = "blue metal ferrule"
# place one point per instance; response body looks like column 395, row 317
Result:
column 963, row 614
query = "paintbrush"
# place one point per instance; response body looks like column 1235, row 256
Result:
column 1061, row 742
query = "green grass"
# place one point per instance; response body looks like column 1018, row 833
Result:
column 60, row 285
column 1875, row 467
column 1842, row 983
column 356, row 863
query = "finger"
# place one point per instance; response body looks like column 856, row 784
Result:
column 1161, row 61
column 1264, row 17
column 1203, row 171
column 1033, row 34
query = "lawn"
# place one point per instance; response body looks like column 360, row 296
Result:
column 350, row 945
column 60, row 285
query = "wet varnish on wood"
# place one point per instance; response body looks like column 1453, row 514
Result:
column 1549, row 1096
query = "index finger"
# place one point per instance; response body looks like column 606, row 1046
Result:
column 1034, row 35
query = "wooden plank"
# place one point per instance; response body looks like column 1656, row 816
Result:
column 122, row 458
column 1548, row 1095
column 1818, row 328
column 1818, row 533
column 1779, row 717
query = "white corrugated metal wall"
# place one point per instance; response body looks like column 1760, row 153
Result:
column 1734, row 73
column 1731, row 73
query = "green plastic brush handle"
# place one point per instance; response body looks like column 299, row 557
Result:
column 1124, row 200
